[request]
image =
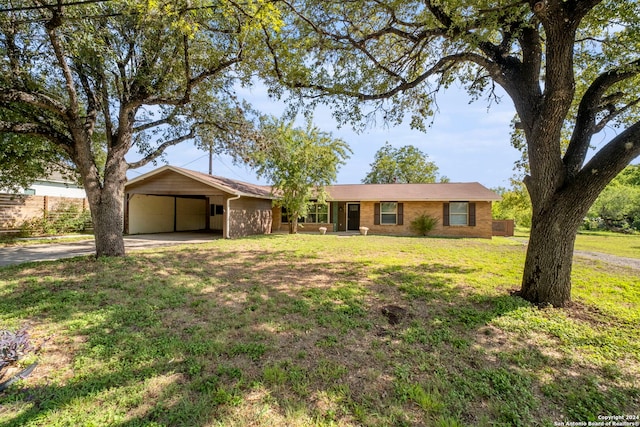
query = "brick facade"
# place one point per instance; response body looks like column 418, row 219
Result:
column 250, row 216
column 411, row 210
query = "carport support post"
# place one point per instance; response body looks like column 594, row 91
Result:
column 175, row 214
column 228, row 216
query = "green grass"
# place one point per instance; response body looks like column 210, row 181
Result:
column 14, row 240
column 624, row 245
column 289, row 331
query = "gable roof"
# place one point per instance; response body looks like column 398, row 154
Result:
column 467, row 191
column 231, row 186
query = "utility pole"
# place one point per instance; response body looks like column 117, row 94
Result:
column 211, row 160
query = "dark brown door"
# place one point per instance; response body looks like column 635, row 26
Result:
column 353, row 221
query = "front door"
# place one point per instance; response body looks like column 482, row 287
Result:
column 353, row 216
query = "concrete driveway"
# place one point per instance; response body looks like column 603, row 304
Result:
column 59, row 249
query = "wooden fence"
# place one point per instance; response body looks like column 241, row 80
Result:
column 503, row 227
column 15, row 209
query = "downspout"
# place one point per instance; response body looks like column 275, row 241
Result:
column 229, row 214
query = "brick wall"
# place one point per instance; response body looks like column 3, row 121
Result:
column 250, row 216
column 412, row 210
column 16, row 209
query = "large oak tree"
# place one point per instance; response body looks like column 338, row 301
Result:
column 107, row 79
column 571, row 68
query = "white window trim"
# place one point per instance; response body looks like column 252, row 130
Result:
column 452, row 214
column 395, row 213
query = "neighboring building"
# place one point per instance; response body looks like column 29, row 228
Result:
column 44, row 196
column 175, row 199
column 56, row 185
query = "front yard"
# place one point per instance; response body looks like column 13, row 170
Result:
column 320, row 330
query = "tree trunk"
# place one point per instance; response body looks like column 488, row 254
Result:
column 108, row 222
column 547, row 270
column 106, row 201
column 293, row 226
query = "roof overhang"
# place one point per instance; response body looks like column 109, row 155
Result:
column 201, row 178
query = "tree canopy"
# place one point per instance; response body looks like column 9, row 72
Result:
column 570, row 67
column 23, row 159
column 404, row 165
column 299, row 163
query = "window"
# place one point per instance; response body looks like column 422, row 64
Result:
column 388, row 213
column 459, row 214
column 285, row 215
column 317, row 213
column 216, row 210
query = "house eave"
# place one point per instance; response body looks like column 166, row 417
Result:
column 197, row 178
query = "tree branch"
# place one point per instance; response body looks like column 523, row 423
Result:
column 51, row 26
column 590, row 105
column 36, row 100
column 186, row 96
column 155, row 123
column 608, row 162
column 613, row 113
column 160, row 149
column 36, row 129
column 92, row 101
column 442, row 65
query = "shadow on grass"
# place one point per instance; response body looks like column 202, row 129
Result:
column 267, row 337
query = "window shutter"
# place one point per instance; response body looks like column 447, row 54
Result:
column 445, row 215
column 376, row 213
column 472, row 214
column 400, row 214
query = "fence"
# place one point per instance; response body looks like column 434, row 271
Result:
column 15, row 209
column 502, row 227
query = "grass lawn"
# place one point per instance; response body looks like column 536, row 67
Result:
column 292, row 331
column 13, row 240
column 625, row 245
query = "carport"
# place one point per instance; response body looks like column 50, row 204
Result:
column 171, row 199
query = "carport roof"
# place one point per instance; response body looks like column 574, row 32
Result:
column 231, row 186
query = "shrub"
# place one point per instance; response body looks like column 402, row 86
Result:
column 65, row 218
column 424, row 224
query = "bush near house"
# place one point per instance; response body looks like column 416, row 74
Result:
column 424, row 224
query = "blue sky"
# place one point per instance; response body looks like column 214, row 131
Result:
column 468, row 142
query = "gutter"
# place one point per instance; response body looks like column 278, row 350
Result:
column 229, row 215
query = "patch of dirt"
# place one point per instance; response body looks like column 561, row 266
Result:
column 394, row 314
column 587, row 313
